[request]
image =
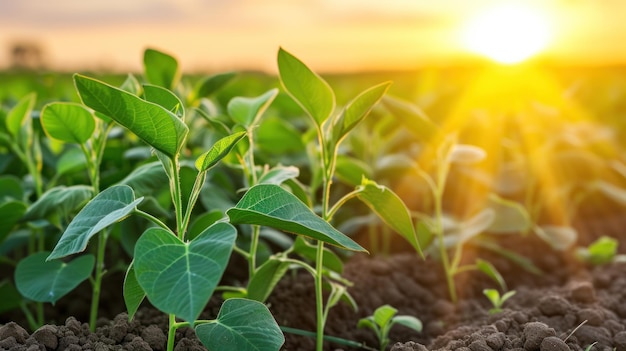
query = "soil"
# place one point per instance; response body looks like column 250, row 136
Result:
column 569, row 307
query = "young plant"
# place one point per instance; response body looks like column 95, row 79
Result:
column 383, row 319
column 272, row 205
column 177, row 275
column 602, row 251
column 440, row 233
column 496, row 300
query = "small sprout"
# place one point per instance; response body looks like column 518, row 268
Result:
column 496, row 300
column 601, row 251
column 383, row 319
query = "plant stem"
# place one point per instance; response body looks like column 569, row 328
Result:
column 319, row 298
column 97, row 284
column 171, row 334
column 177, row 196
column 152, row 219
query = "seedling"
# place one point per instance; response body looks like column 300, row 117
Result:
column 602, row 251
column 496, row 300
column 177, row 275
column 258, row 205
column 383, row 319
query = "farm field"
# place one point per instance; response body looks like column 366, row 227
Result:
column 453, row 208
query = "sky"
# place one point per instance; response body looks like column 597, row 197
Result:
column 329, row 35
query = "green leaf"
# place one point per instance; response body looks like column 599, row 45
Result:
column 306, row 87
column 61, row 200
column 491, row 271
column 212, row 84
column 273, row 206
column 351, row 170
column 390, row 208
column 161, row 69
column 493, row 295
column 408, row 321
column 265, row 279
column 241, row 325
column 131, row 85
column 202, row 222
column 218, row 151
column 12, row 211
column 20, row 114
column 107, row 208
column 177, row 277
column 278, row 174
column 248, row 111
column 164, row 98
column 412, row 118
column 357, row 110
column 133, row 293
column 43, row 281
column 384, row 314
column 152, row 123
column 601, row 251
column 68, row 122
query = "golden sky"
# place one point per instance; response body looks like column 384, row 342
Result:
column 330, row 35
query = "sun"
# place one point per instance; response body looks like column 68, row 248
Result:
column 508, row 33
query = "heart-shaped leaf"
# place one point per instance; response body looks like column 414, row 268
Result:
column 161, row 69
column 155, row 125
column 247, row 111
column 177, row 277
column 218, row 151
column 272, row 206
column 68, row 122
column 390, row 208
column 242, row 325
column 309, row 90
column 109, row 207
column 43, row 281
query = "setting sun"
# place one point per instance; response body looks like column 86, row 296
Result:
column 508, row 34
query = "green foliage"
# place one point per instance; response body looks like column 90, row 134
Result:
column 68, row 122
column 241, row 325
column 383, row 319
column 43, row 281
column 154, row 124
column 602, row 251
column 496, row 300
column 271, row 205
column 180, row 277
column 161, row 69
column 107, row 208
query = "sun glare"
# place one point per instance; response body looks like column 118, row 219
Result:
column 509, row 33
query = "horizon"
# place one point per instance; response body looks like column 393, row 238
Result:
column 349, row 36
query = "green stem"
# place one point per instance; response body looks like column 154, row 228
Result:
column 254, row 244
column 97, row 284
column 177, row 197
column 171, row 334
column 151, row 218
column 195, row 193
column 32, row 323
column 319, row 298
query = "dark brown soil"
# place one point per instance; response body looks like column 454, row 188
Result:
column 569, row 307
